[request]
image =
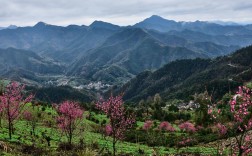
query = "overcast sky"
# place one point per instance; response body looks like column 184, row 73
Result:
column 121, row 12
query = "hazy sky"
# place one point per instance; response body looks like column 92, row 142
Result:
column 121, row 12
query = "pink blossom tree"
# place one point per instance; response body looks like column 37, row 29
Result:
column 32, row 119
column 239, row 107
column 219, row 127
column 119, row 120
column 185, row 142
column 70, row 115
column 222, row 129
column 241, row 124
column 166, row 126
column 1, row 93
column 187, row 127
column 13, row 101
column 148, row 124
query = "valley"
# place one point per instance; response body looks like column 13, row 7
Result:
column 114, row 54
column 156, row 87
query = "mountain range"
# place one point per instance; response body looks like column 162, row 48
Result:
column 110, row 53
column 183, row 78
column 9, row 27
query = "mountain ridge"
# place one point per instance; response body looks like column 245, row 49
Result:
column 182, row 78
column 114, row 54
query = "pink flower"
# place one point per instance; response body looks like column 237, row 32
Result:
column 70, row 115
column 118, row 118
column 222, row 129
column 108, row 130
column 247, row 138
column 12, row 102
column 210, row 111
column 166, row 126
column 147, row 124
column 185, row 141
column 240, row 106
column 187, row 126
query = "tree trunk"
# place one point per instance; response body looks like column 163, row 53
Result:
column 70, row 139
column 70, row 132
column 1, row 116
column 33, row 130
column 48, row 143
column 12, row 129
column 114, row 147
column 9, row 130
column 240, row 152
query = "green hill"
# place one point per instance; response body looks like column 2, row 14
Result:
column 183, row 78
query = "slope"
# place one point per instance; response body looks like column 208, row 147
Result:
column 17, row 64
column 132, row 51
column 183, row 78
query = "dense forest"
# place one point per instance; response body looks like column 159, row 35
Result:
column 183, row 78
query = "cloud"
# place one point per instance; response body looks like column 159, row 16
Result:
column 65, row 12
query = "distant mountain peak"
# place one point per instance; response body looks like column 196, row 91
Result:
column 156, row 18
column 12, row 27
column 97, row 22
column 40, row 24
column 156, row 22
column 9, row 27
column 101, row 24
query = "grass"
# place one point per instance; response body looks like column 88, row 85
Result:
column 22, row 136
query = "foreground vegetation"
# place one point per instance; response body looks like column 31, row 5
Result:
column 29, row 127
